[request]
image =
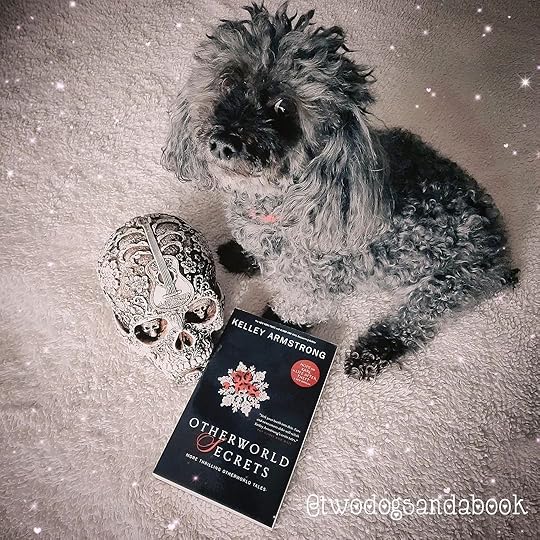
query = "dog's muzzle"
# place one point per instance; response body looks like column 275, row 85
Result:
column 225, row 147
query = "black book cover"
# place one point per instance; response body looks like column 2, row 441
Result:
column 241, row 432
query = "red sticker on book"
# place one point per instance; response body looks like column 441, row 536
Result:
column 305, row 373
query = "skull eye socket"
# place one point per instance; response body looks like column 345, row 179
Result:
column 150, row 331
column 201, row 311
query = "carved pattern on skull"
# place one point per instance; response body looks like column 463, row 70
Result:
column 159, row 277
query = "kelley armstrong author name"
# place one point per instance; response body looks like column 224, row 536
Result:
column 211, row 439
column 278, row 338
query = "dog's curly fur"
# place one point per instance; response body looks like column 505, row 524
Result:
column 275, row 115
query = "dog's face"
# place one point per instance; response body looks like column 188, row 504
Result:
column 254, row 122
column 264, row 98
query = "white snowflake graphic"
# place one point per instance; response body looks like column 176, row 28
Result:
column 243, row 388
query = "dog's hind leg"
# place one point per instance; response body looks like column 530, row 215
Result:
column 416, row 321
column 236, row 260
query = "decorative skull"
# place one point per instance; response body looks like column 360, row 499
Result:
column 159, row 276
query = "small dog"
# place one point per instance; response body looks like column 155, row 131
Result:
column 275, row 115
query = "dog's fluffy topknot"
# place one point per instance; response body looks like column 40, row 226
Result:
column 270, row 36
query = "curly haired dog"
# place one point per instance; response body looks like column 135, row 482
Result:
column 274, row 115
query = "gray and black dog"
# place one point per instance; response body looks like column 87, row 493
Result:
column 319, row 201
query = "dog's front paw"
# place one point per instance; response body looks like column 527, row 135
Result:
column 271, row 315
column 369, row 356
column 236, row 260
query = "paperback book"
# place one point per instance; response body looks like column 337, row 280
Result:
column 239, row 437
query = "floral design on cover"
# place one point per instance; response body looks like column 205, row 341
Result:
column 243, row 388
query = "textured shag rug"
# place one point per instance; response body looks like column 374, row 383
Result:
column 84, row 90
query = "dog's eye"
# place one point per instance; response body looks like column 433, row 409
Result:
column 226, row 84
column 283, row 106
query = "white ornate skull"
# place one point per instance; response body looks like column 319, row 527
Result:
column 159, row 276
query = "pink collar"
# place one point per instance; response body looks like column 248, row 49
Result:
column 263, row 218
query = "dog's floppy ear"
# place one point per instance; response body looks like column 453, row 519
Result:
column 342, row 193
column 180, row 152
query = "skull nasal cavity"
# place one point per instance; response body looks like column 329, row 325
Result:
column 183, row 340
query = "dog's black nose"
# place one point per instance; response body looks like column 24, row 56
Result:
column 224, row 149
